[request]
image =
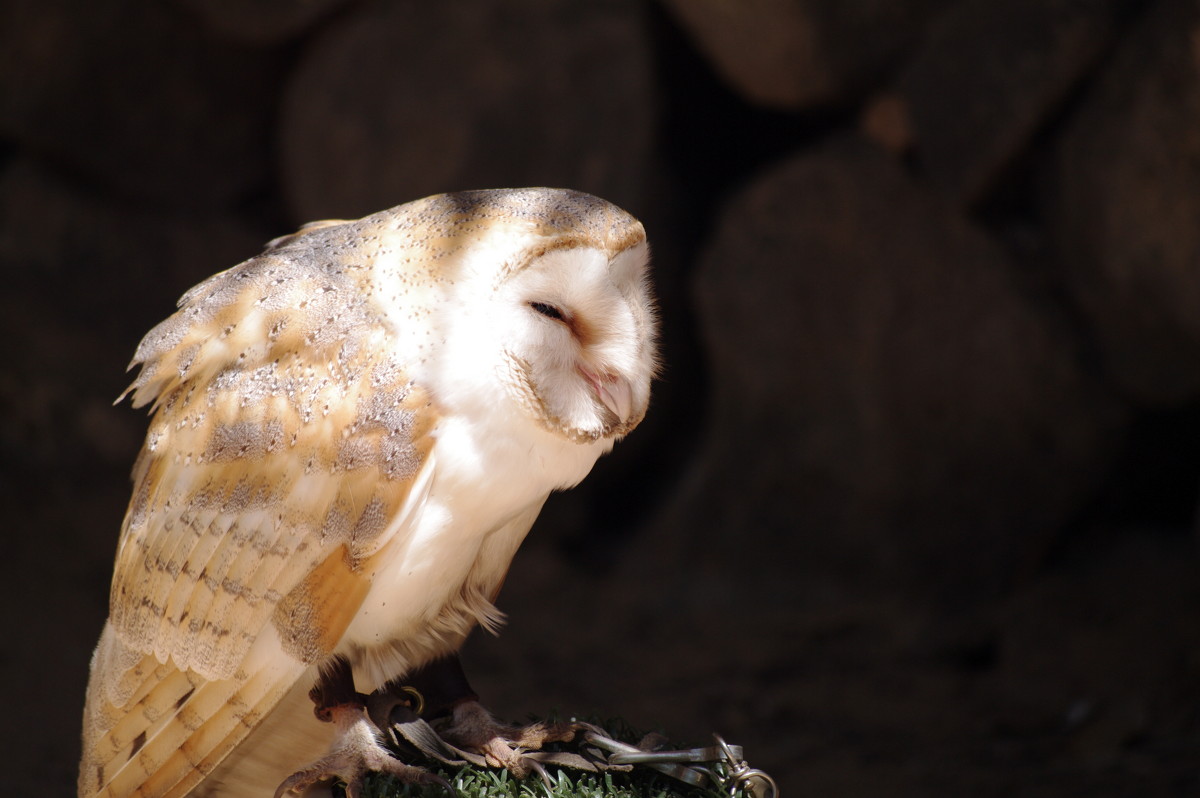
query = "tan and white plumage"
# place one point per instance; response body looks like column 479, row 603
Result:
column 351, row 435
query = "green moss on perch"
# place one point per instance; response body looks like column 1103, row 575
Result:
column 563, row 782
column 472, row 782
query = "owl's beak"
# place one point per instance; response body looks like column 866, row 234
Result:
column 614, row 392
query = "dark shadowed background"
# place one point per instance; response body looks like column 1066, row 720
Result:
column 913, row 510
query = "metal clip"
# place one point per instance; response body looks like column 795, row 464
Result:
column 734, row 775
column 743, row 777
column 668, row 762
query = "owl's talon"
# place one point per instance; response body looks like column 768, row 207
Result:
column 300, row 781
column 536, row 767
column 445, row 785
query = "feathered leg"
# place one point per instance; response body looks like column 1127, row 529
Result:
column 356, row 749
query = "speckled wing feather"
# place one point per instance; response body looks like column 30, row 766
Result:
column 286, row 447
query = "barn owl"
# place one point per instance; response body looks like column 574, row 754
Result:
column 351, row 434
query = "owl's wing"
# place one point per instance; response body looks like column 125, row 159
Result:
column 305, row 229
column 287, row 449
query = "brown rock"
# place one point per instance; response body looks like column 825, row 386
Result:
column 135, row 96
column 989, row 75
column 538, row 92
column 791, row 54
column 1125, row 200
column 260, row 21
column 885, row 121
column 889, row 403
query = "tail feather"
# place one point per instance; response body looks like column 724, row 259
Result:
column 192, row 751
column 175, row 728
column 154, row 707
column 286, row 739
column 152, row 757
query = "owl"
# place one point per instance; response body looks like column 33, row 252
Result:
column 350, row 436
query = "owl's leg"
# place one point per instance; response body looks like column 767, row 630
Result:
column 356, row 750
column 447, row 700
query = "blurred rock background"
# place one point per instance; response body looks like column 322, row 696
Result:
column 913, row 511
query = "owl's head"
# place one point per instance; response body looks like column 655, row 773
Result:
column 551, row 295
